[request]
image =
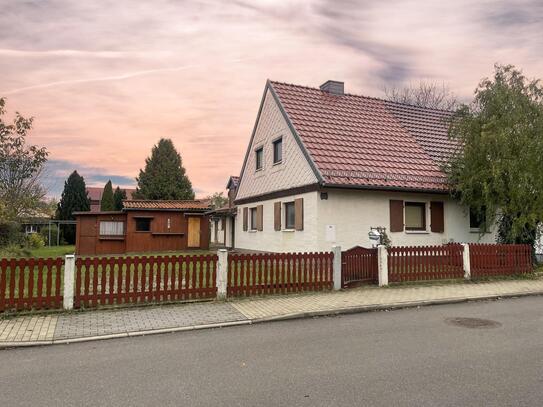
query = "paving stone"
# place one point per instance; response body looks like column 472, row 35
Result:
column 105, row 322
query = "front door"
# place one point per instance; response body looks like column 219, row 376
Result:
column 194, row 232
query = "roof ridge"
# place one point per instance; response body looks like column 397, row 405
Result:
column 365, row 97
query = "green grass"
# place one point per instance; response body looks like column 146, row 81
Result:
column 53, row 251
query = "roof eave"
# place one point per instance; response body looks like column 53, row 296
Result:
column 386, row 188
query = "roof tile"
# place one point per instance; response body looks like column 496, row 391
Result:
column 361, row 141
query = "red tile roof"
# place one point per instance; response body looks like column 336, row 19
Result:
column 367, row 142
column 168, row 205
column 95, row 193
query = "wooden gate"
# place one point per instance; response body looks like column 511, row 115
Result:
column 359, row 265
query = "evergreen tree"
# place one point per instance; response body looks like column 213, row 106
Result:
column 107, row 203
column 74, row 198
column 118, row 197
column 164, row 176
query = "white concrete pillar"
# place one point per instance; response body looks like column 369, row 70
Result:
column 69, row 276
column 382, row 264
column 336, row 250
column 465, row 260
column 222, row 273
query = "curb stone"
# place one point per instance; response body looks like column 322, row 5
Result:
column 284, row 317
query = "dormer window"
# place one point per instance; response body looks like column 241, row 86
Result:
column 278, row 151
column 259, row 158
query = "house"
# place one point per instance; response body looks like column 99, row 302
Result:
column 144, row 226
column 223, row 219
column 95, row 196
column 323, row 167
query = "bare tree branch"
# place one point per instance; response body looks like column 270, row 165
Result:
column 424, row 94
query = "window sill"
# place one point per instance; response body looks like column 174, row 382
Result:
column 252, row 231
column 278, row 163
column 417, row 232
column 111, row 237
column 288, row 230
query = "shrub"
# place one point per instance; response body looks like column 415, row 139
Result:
column 35, row 241
column 11, row 251
column 10, row 234
column 44, row 232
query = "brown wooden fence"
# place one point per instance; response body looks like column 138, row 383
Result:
column 500, row 259
column 106, row 281
column 279, row 273
column 359, row 265
column 27, row 284
column 418, row 263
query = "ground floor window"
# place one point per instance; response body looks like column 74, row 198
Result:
column 111, row 228
column 253, row 219
column 415, row 216
column 143, row 224
column 477, row 219
column 290, row 215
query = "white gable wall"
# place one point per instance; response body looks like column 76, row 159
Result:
column 294, row 170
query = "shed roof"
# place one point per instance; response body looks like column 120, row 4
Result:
column 193, row 205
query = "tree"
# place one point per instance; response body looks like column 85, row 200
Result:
column 74, row 199
column 107, row 203
column 496, row 170
column 164, row 176
column 425, row 94
column 21, row 167
column 118, row 197
column 218, row 200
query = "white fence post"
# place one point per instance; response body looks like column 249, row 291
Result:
column 222, row 273
column 465, row 261
column 382, row 263
column 337, row 267
column 69, row 274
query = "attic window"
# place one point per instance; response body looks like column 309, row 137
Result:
column 278, row 151
column 259, row 155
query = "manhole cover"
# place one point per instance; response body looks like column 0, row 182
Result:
column 473, row 322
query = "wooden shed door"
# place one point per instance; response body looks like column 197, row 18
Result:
column 194, row 232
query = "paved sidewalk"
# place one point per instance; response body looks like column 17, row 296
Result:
column 101, row 324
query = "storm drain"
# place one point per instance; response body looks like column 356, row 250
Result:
column 472, row 322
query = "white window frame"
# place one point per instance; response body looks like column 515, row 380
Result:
column 425, row 214
column 111, row 228
column 285, row 205
column 253, row 226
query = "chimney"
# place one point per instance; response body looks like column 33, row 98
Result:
column 333, row 87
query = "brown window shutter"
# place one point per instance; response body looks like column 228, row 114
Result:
column 396, row 216
column 277, row 216
column 437, row 217
column 223, row 223
column 260, row 218
column 299, row 214
column 245, row 217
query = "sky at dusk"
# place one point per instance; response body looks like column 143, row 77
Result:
column 105, row 80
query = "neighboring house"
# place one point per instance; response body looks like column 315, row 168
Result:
column 144, row 226
column 323, row 167
column 223, row 219
column 95, row 196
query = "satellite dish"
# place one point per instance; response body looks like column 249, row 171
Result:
column 374, row 235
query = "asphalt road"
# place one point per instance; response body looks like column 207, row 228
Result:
column 408, row 357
